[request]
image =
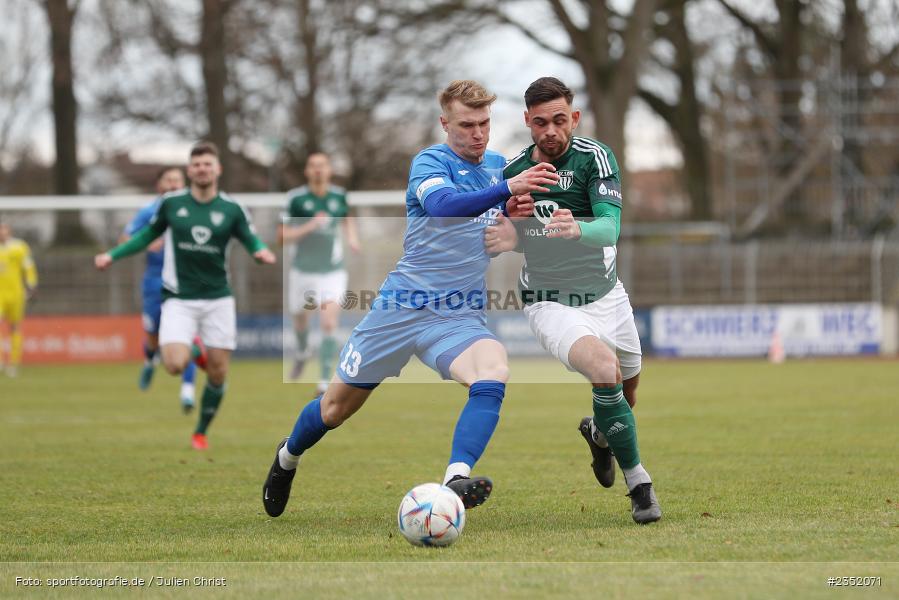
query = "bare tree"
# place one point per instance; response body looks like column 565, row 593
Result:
column 20, row 58
column 212, row 49
column 345, row 76
column 61, row 17
column 683, row 112
column 610, row 47
column 162, row 89
column 782, row 43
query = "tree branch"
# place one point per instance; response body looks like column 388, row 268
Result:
column 506, row 20
column 764, row 40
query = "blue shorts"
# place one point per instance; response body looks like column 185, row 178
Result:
column 152, row 306
column 385, row 340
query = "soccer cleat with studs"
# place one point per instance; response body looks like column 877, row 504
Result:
column 603, row 460
column 645, row 506
column 199, row 441
column 146, row 376
column 473, row 491
column 276, row 489
column 202, row 357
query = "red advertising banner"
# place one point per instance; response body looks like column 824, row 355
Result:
column 82, row 339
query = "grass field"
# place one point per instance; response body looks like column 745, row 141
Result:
column 772, row 479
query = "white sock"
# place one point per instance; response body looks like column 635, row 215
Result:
column 287, row 460
column 458, row 468
column 636, row 476
column 187, row 391
column 598, row 436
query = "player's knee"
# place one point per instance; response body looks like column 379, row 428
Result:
column 605, row 371
column 334, row 414
column 216, row 374
column 497, row 370
column 173, row 366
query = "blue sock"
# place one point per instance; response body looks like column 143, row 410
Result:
column 477, row 421
column 190, row 372
column 309, row 428
column 149, row 354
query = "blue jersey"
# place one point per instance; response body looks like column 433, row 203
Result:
column 153, row 272
column 444, row 262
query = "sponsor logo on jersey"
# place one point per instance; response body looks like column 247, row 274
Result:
column 216, row 217
column 566, row 178
column 463, row 172
column 611, row 190
column 488, row 218
column 308, row 205
column 182, row 212
column 544, row 209
column 200, row 234
column 428, row 184
column 494, row 180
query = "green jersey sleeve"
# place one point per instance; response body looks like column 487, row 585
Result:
column 143, row 238
column 604, row 229
column 246, row 233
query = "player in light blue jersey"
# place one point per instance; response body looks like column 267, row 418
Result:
column 432, row 305
column 167, row 180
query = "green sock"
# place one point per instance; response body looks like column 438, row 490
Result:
column 302, row 341
column 209, row 405
column 613, row 417
column 327, row 355
column 195, row 351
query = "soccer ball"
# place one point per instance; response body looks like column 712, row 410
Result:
column 431, row 515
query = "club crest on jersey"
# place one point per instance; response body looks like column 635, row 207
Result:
column 566, row 178
column 544, row 209
column 200, row 234
column 308, row 205
column 216, row 217
column 332, row 205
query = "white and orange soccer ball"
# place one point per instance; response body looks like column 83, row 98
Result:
column 431, row 515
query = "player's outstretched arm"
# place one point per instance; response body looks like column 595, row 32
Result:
column 136, row 244
column 599, row 233
column 265, row 256
column 102, row 261
column 533, row 179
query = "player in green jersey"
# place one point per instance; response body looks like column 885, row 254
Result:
column 198, row 223
column 316, row 214
column 575, row 303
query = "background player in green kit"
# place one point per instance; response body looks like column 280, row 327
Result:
column 198, row 223
column 317, row 277
column 575, row 303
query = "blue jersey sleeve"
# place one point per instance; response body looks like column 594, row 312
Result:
column 142, row 218
column 429, row 174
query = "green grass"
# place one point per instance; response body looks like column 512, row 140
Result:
column 772, row 478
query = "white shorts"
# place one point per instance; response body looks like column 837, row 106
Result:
column 610, row 318
column 307, row 291
column 215, row 321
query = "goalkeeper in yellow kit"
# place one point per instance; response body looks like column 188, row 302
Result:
column 18, row 280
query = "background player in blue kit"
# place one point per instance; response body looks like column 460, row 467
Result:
column 432, row 304
column 167, row 180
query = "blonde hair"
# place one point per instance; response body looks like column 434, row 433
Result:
column 470, row 93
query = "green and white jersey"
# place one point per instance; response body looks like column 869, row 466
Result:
column 563, row 270
column 322, row 250
column 196, row 243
